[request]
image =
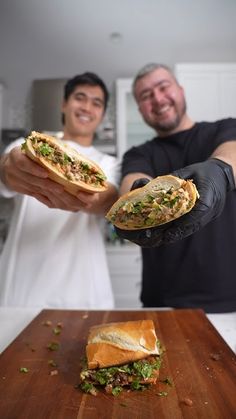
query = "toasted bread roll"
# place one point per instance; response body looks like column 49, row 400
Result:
column 120, row 343
column 160, row 201
column 121, row 355
column 65, row 165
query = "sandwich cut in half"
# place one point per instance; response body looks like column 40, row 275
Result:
column 121, row 355
column 163, row 199
column 65, row 165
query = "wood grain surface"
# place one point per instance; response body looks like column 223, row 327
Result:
column 197, row 361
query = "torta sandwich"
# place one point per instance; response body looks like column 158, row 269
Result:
column 64, row 164
column 160, row 201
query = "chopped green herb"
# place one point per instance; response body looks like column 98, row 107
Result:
column 135, row 385
column 57, row 330
column 23, row 146
column 45, row 149
column 123, row 404
column 116, row 390
column 24, row 370
column 88, row 388
column 167, row 381
column 53, row 346
column 67, row 159
column 162, row 393
column 52, row 363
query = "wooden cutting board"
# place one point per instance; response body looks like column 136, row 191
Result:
column 197, row 361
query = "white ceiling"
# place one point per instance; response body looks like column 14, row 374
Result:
column 59, row 38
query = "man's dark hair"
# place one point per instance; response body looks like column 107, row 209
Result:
column 90, row 79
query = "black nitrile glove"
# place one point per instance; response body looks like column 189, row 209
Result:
column 213, row 179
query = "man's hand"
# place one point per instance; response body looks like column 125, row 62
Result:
column 20, row 174
column 213, row 179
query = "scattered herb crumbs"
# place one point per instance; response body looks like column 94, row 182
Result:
column 60, row 324
column 57, row 330
column 162, row 393
column 52, row 363
column 24, row 370
column 167, row 381
column 116, row 390
column 53, row 346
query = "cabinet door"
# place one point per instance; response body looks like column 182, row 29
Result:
column 130, row 128
column 210, row 90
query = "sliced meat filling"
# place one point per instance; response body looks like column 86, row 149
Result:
column 133, row 375
column 69, row 167
column 153, row 210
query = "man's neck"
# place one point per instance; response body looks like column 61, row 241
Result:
column 85, row 141
column 186, row 123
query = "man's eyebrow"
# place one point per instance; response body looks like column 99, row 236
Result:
column 158, row 83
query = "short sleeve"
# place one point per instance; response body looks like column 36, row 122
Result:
column 137, row 160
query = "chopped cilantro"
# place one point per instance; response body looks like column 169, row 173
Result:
column 67, row 159
column 53, row 346
column 45, row 149
column 23, row 146
column 52, row 363
column 24, row 370
column 57, row 330
column 116, row 390
column 162, row 393
column 167, row 381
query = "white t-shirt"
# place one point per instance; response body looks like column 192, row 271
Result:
column 54, row 258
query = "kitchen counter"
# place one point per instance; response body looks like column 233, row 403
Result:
column 14, row 320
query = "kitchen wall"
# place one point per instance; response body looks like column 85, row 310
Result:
column 59, row 38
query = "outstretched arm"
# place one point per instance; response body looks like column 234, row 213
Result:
column 214, row 178
column 22, row 175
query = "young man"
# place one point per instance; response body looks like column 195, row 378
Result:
column 182, row 269
column 54, row 255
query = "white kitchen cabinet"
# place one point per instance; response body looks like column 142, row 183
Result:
column 125, row 264
column 130, row 128
column 210, row 90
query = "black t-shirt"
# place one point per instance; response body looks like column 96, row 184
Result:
column 198, row 271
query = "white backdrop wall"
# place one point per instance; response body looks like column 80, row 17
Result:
column 60, row 38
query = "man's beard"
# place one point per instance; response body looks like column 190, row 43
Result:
column 170, row 125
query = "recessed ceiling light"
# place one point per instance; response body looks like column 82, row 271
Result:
column 115, row 37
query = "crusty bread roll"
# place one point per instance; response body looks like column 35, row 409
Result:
column 120, row 343
column 160, row 201
column 65, row 165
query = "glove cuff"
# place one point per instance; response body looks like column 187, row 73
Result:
column 228, row 171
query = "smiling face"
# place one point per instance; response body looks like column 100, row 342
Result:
column 161, row 102
column 83, row 112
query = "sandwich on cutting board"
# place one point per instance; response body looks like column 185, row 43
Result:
column 118, row 355
column 160, row 201
column 64, row 164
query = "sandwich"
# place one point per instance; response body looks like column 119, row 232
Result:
column 65, row 165
column 160, row 201
column 121, row 355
